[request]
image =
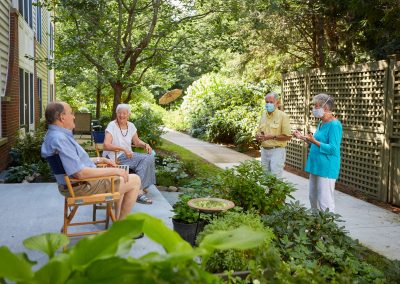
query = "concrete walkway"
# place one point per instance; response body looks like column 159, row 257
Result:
column 35, row 208
column 373, row 226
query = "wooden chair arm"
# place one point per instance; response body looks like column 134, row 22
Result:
column 92, row 179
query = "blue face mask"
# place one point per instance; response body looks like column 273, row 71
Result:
column 270, row 107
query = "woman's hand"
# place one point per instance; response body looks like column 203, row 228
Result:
column 148, row 148
column 311, row 138
column 128, row 153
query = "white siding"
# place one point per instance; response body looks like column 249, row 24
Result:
column 4, row 43
column 26, row 46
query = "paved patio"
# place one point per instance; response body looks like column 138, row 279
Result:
column 32, row 209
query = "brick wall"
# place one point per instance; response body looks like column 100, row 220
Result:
column 10, row 106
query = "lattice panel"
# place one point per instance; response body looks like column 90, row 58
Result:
column 293, row 93
column 294, row 154
column 396, row 103
column 359, row 97
column 361, row 164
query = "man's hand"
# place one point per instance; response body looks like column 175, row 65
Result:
column 298, row 135
column 260, row 136
column 108, row 162
column 123, row 173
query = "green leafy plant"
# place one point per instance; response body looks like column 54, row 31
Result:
column 220, row 109
column 169, row 171
column 249, row 187
column 235, row 260
column 17, row 174
column 27, row 148
column 102, row 258
column 149, row 124
column 183, row 212
column 314, row 240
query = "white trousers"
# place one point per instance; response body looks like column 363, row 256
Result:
column 273, row 160
column 321, row 193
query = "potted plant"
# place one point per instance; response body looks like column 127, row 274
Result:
column 186, row 221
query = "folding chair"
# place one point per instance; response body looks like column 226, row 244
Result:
column 98, row 138
column 72, row 203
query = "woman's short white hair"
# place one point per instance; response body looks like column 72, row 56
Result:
column 324, row 99
column 123, row 107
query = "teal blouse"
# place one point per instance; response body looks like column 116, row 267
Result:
column 324, row 161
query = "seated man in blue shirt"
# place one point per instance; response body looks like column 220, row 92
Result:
column 59, row 140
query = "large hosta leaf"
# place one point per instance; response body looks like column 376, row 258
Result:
column 47, row 243
column 14, row 267
column 240, row 238
column 156, row 230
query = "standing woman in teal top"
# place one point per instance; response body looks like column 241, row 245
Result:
column 323, row 161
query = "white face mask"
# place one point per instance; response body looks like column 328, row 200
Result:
column 319, row 112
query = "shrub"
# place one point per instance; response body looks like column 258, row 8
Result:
column 234, row 124
column 148, row 123
column 250, row 188
column 234, row 260
column 183, row 212
column 221, row 109
column 169, row 171
column 28, row 146
column 314, row 240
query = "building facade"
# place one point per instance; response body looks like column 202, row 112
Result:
column 26, row 82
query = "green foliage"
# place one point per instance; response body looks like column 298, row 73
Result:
column 314, row 240
column 169, row 171
column 234, row 124
column 249, row 187
column 181, row 209
column 148, row 123
column 26, row 156
column 17, row 174
column 194, row 165
column 234, row 260
column 221, row 109
column 101, row 258
column 27, row 147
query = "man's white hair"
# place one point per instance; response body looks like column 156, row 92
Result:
column 272, row 94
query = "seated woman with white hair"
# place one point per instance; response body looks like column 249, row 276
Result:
column 120, row 135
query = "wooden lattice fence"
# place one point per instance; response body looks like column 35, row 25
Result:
column 367, row 102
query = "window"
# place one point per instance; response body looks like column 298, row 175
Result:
column 25, row 9
column 40, row 97
column 26, row 102
column 31, row 100
column 51, row 94
column 51, row 39
column 21, row 98
column 39, row 23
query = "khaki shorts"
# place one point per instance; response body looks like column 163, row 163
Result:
column 91, row 187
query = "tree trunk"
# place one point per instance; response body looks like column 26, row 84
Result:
column 98, row 97
column 318, row 40
column 117, row 87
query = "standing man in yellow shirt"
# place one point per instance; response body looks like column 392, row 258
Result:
column 273, row 132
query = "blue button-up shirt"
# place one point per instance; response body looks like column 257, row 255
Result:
column 59, row 140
